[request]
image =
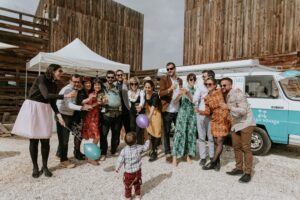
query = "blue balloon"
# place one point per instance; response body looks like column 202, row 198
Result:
column 92, row 151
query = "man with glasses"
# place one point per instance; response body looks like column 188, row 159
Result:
column 242, row 124
column 203, row 122
column 122, row 87
column 169, row 90
column 110, row 116
column 67, row 107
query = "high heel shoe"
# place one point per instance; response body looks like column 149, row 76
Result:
column 209, row 166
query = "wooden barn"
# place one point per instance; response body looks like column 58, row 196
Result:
column 223, row 30
column 108, row 28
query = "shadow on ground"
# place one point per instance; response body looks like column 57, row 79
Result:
column 154, row 182
column 8, row 154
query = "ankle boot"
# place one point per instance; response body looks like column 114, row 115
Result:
column 153, row 156
column 46, row 172
column 35, row 172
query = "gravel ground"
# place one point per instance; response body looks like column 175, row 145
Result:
column 276, row 176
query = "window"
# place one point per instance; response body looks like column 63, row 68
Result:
column 261, row 87
column 291, row 87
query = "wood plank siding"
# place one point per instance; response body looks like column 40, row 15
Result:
column 223, row 30
column 108, row 28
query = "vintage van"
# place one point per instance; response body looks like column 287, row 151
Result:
column 274, row 97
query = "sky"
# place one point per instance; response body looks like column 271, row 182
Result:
column 163, row 27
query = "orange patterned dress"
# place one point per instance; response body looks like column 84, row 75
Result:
column 220, row 119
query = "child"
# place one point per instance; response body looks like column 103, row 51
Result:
column 130, row 157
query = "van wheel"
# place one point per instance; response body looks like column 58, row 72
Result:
column 260, row 142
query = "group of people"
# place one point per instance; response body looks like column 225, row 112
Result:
column 210, row 108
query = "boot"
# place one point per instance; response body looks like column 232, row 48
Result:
column 153, row 156
column 46, row 172
column 35, row 172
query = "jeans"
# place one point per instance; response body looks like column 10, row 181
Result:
column 204, row 129
column 115, row 124
column 63, row 135
column 168, row 118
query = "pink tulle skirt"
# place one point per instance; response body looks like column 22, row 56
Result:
column 34, row 120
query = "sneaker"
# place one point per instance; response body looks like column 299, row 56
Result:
column 245, row 178
column 202, row 162
column 46, row 172
column 103, row 158
column 235, row 172
column 67, row 164
column 210, row 165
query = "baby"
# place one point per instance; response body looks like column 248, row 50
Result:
column 131, row 158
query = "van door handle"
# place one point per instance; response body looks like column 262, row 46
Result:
column 277, row 107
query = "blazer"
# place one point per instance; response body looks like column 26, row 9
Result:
column 165, row 96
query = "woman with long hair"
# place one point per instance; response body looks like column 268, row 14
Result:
column 152, row 106
column 34, row 120
column 91, row 119
column 220, row 120
column 185, row 128
column 136, row 98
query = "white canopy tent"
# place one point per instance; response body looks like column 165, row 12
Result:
column 76, row 57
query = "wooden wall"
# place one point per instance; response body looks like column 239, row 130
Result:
column 109, row 28
column 31, row 35
column 222, row 30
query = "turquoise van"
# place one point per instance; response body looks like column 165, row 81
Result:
column 274, row 97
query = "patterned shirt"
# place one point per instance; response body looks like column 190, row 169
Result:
column 131, row 158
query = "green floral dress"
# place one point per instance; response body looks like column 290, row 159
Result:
column 185, row 129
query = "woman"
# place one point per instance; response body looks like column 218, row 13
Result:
column 185, row 128
column 80, row 115
column 34, row 120
column 152, row 106
column 91, row 120
column 220, row 123
column 137, row 100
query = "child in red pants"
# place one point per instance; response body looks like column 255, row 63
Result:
column 131, row 158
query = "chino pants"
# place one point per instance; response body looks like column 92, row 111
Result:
column 204, row 129
column 241, row 142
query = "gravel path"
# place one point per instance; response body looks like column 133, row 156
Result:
column 276, row 176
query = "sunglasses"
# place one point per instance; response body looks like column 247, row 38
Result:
column 171, row 68
column 133, row 84
column 110, row 77
column 192, row 79
column 208, row 84
column 119, row 74
column 223, row 86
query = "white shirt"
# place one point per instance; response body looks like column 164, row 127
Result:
column 140, row 93
column 200, row 93
column 67, row 106
column 174, row 107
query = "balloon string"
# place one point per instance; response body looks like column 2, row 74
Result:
column 75, row 135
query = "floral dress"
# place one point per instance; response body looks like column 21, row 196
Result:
column 185, row 128
column 91, row 122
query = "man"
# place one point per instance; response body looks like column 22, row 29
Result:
column 242, row 127
column 67, row 107
column 203, row 122
column 122, row 87
column 169, row 90
column 110, row 116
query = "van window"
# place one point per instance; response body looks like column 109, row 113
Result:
column 291, row 87
column 261, row 87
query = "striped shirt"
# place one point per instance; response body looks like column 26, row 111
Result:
column 131, row 157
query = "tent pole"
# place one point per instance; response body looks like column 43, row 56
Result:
column 26, row 82
column 39, row 68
